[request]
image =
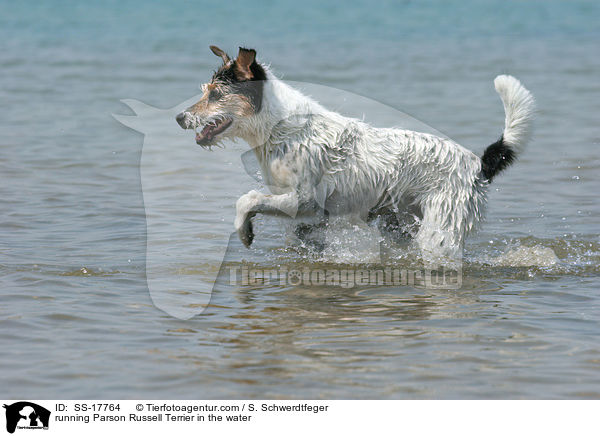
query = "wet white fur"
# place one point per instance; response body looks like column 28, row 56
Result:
column 313, row 158
column 518, row 107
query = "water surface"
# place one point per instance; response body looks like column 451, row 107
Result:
column 76, row 317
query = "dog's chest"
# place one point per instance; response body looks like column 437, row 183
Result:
column 282, row 173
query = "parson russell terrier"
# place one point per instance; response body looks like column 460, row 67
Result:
column 319, row 163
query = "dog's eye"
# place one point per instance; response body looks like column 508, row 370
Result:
column 215, row 94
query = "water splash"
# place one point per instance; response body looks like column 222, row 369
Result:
column 527, row 256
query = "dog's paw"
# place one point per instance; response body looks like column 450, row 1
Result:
column 244, row 214
column 246, row 232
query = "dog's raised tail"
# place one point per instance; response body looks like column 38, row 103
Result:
column 519, row 107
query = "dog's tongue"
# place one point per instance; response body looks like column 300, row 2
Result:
column 204, row 135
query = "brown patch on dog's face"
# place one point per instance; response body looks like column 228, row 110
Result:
column 234, row 93
column 219, row 98
column 243, row 75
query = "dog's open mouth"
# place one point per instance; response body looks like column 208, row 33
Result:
column 212, row 129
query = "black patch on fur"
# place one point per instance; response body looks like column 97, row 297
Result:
column 253, row 88
column 224, row 75
column 496, row 158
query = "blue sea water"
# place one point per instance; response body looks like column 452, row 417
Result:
column 76, row 317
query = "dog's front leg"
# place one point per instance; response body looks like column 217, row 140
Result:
column 248, row 205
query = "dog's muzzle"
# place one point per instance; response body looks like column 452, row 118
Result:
column 184, row 119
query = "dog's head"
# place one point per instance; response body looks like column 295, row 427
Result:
column 229, row 100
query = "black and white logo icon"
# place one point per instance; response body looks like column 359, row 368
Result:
column 26, row 415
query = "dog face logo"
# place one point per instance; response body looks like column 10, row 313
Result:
column 26, row 415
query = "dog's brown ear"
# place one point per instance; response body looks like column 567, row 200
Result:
column 217, row 51
column 244, row 60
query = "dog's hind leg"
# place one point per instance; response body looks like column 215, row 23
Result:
column 248, row 205
column 396, row 229
column 397, row 223
column 388, row 224
column 441, row 234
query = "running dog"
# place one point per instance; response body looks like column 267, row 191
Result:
column 317, row 162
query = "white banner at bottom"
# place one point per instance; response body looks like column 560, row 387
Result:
column 258, row 417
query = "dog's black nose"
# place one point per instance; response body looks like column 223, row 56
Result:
column 181, row 119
